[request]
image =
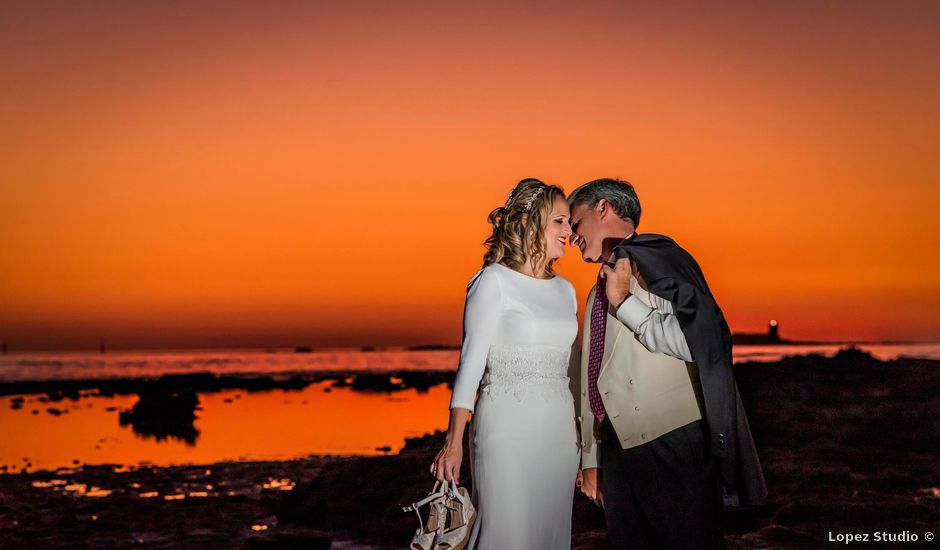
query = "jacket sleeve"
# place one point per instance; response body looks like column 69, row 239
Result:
column 574, row 365
column 481, row 313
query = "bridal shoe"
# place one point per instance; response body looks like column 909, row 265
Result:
column 427, row 533
column 460, row 517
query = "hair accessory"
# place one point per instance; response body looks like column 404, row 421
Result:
column 528, row 204
column 537, row 194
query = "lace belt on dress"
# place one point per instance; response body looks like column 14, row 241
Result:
column 517, row 368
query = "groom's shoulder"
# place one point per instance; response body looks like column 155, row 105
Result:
column 654, row 239
column 660, row 244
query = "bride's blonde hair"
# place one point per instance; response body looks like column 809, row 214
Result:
column 519, row 226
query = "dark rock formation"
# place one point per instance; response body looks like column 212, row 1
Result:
column 201, row 382
column 163, row 412
column 292, row 538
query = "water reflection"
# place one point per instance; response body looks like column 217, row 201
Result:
column 232, row 425
column 77, row 489
column 172, row 490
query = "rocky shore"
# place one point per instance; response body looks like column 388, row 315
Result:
column 849, row 444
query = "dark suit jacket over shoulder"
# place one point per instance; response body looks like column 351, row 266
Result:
column 671, row 273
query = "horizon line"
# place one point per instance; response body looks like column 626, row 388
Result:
column 417, row 347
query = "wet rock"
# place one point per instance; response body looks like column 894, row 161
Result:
column 62, row 393
column 376, row 383
column 201, row 382
column 163, row 413
column 291, row 538
column 795, row 513
column 424, row 380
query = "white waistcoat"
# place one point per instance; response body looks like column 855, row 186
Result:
column 645, row 394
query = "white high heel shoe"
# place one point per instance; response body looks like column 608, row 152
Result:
column 427, row 533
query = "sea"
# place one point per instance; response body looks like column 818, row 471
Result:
column 70, row 365
column 322, row 419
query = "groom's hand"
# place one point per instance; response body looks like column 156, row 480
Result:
column 590, row 487
column 618, row 280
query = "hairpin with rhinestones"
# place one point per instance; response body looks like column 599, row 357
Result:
column 538, row 192
column 528, row 204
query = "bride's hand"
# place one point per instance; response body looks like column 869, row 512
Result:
column 446, row 465
column 590, row 487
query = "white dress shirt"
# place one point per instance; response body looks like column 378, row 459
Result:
column 657, row 327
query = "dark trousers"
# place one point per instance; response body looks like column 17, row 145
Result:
column 664, row 494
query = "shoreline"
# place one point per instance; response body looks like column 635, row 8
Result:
column 382, row 380
column 208, row 382
column 110, row 379
column 848, row 444
column 290, row 350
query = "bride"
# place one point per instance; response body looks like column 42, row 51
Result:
column 520, row 321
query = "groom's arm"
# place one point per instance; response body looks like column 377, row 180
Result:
column 657, row 328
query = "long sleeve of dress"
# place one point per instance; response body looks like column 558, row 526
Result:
column 574, row 362
column 481, row 314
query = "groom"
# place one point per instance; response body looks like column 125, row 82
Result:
column 664, row 437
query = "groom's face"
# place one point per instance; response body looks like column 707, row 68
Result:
column 588, row 231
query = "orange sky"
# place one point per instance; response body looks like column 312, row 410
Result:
column 250, row 174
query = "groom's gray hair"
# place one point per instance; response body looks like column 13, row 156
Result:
column 619, row 194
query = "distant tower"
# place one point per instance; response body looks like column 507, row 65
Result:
column 4, row 347
column 772, row 331
column 101, row 346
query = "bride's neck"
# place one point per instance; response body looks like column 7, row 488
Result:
column 527, row 269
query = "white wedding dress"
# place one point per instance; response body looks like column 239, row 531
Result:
column 517, row 338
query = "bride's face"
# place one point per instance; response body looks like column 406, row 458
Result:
column 557, row 230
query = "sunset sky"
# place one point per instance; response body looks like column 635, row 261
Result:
column 202, row 174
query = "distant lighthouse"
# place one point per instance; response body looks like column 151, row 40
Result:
column 769, row 338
